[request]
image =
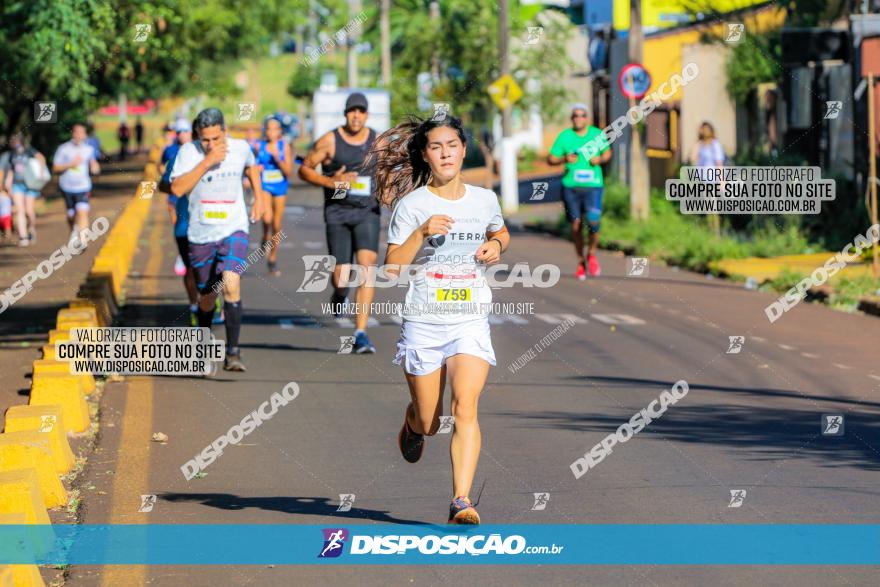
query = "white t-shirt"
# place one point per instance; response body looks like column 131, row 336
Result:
column 448, row 286
column 216, row 204
column 76, row 179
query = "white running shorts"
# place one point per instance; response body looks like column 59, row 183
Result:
column 424, row 348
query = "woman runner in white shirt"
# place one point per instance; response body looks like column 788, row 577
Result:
column 447, row 232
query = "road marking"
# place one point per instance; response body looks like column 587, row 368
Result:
column 573, row 318
column 872, row 376
column 344, row 322
column 617, row 319
column 759, row 338
column 132, row 473
column 785, row 347
column 810, row 355
column 840, row 366
column 502, row 318
column 286, row 323
column 692, row 318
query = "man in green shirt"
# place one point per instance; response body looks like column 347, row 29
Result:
column 583, row 148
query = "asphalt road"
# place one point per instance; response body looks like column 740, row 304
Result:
column 751, row 421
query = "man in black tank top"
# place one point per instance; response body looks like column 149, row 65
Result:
column 351, row 213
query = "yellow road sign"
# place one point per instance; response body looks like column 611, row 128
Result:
column 505, row 91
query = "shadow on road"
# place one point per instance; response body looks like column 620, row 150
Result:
column 312, row 506
column 769, row 433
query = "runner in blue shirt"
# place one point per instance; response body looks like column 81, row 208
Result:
column 178, row 210
column 275, row 158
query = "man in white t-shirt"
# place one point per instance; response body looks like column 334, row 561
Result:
column 74, row 160
column 210, row 169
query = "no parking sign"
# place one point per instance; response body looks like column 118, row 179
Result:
column 634, row 80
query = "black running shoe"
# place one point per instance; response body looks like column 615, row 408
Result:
column 411, row 444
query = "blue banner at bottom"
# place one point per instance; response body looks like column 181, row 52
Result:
column 382, row 544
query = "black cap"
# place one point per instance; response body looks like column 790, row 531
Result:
column 356, row 100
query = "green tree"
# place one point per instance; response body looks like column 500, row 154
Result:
column 83, row 53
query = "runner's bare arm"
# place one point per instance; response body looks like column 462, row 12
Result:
column 260, row 197
column 183, row 184
column 554, row 160
column 403, row 254
column 323, row 150
column 286, row 166
column 603, row 157
column 496, row 243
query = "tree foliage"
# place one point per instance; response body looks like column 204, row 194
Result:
column 82, row 53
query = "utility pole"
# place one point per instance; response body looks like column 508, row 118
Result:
column 385, row 31
column 639, row 184
column 872, row 150
column 354, row 9
column 509, row 185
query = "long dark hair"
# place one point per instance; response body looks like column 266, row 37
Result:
column 396, row 157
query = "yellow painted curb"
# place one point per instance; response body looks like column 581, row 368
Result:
column 48, row 352
column 43, row 368
column 56, row 335
column 70, row 398
column 27, row 576
column 32, row 449
column 6, row 576
column 102, row 311
column 48, row 420
column 68, row 324
column 89, row 315
column 42, row 538
column 20, row 493
column 59, row 379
